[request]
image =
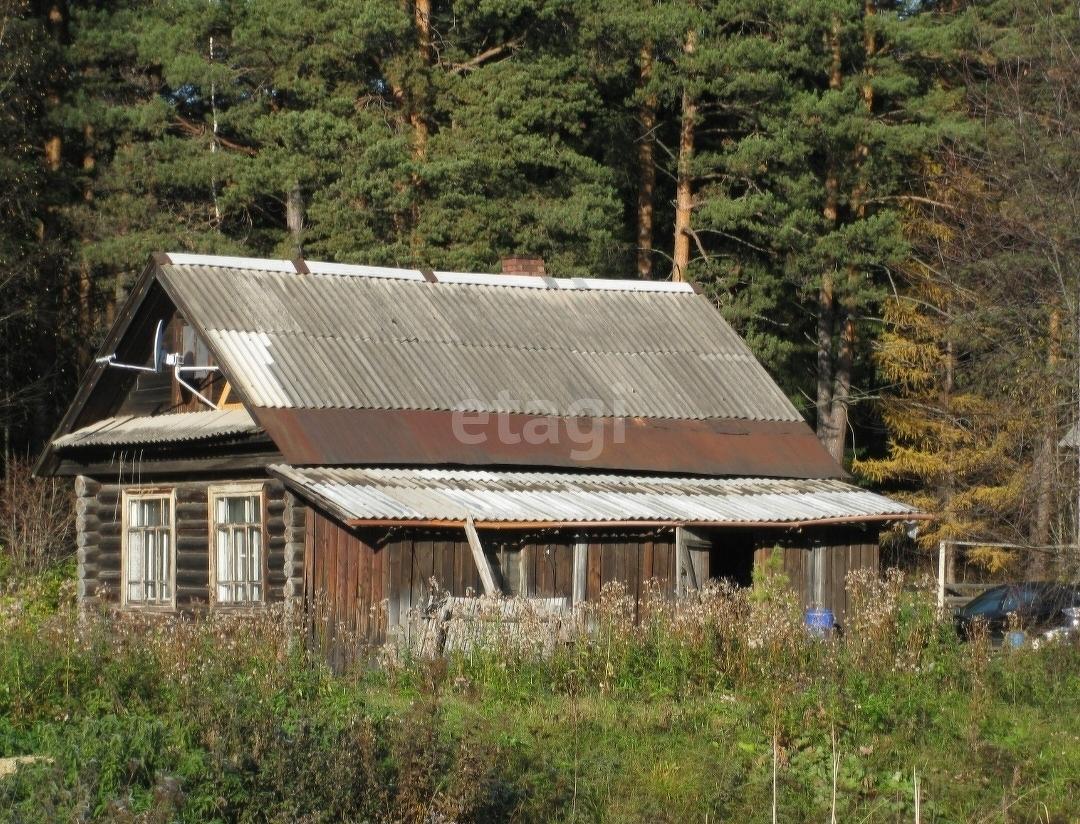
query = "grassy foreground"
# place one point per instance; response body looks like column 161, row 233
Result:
column 693, row 713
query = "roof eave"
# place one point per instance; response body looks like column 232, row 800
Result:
column 358, row 523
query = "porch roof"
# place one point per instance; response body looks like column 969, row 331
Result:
column 180, row 427
column 509, row 499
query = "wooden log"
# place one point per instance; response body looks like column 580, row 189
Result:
column 191, row 495
column 192, row 562
column 84, row 539
column 487, row 577
column 86, row 486
column 87, row 523
column 108, row 497
column 193, row 543
column 86, row 506
column 88, row 571
column 192, row 511
column 194, row 578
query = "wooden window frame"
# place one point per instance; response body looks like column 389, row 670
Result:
column 234, row 490
column 145, row 493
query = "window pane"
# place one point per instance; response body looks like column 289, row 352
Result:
column 239, row 547
column 164, row 550
column 149, row 551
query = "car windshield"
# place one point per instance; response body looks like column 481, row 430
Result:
column 986, row 604
column 1024, row 597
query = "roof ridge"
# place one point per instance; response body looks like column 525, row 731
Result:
column 327, row 268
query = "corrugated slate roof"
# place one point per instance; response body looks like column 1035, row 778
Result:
column 395, row 494
column 375, row 338
column 131, row 430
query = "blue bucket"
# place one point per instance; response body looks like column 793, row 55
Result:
column 1015, row 638
column 819, row 622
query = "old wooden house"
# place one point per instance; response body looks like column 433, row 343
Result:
column 261, row 430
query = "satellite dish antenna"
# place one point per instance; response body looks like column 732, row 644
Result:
column 159, row 346
column 159, row 359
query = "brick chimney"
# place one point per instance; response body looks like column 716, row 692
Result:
column 523, row 266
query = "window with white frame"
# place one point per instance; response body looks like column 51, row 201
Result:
column 238, row 560
column 148, row 549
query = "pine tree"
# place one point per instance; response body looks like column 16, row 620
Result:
column 36, row 300
column 513, row 136
column 810, row 119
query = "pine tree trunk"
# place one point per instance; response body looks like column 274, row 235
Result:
column 86, row 283
column 684, row 192
column 825, row 321
column 294, row 215
column 54, row 144
column 826, row 427
column 646, row 168
column 417, row 115
column 841, row 394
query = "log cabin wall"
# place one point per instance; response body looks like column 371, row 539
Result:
column 99, row 527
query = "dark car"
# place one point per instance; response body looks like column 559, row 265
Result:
column 1037, row 606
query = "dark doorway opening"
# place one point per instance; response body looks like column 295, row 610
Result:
column 732, row 556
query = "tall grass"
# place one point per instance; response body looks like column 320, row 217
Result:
column 37, row 522
column 673, row 713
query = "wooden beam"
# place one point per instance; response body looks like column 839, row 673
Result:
column 193, row 466
column 487, row 577
column 685, row 577
column 457, row 523
column 581, row 559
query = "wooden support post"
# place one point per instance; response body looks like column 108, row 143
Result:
column 487, row 577
column 818, row 575
column 942, row 550
column 685, row 575
column 581, row 558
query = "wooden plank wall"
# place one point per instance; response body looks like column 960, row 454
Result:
column 846, row 549
column 631, row 559
column 361, row 584
column 98, row 540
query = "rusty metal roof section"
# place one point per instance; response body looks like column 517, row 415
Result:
column 181, row 427
column 508, row 498
column 332, row 336
column 379, row 437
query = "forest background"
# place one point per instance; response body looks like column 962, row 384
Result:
column 880, row 196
